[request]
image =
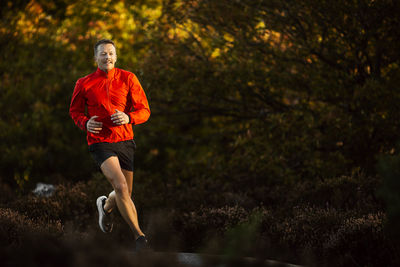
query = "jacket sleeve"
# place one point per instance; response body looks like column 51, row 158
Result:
column 141, row 109
column 77, row 107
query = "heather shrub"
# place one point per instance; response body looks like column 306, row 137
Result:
column 74, row 201
column 324, row 227
column 334, row 237
column 15, row 226
column 347, row 192
column 96, row 186
column 308, row 226
column 206, row 223
column 69, row 202
column 228, row 230
column 38, row 207
column 359, row 240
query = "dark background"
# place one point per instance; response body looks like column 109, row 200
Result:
column 274, row 128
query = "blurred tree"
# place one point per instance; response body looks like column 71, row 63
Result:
column 259, row 92
column 244, row 94
column 47, row 46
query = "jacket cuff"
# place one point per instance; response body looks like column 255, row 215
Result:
column 84, row 125
column 131, row 119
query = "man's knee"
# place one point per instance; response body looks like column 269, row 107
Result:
column 121, row 189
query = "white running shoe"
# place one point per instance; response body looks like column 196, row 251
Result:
column 104, row 222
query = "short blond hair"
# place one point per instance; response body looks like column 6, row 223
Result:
column 103, row 41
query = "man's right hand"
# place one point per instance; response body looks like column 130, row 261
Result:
column 94, row 126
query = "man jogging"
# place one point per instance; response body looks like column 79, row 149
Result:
column 106, row 104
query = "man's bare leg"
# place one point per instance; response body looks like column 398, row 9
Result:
column 112, row 170
column 110, row 202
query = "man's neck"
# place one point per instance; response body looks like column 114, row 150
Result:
column 107, row 72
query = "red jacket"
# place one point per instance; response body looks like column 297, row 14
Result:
column 102, row 93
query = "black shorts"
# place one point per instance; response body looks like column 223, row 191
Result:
column 124, row 150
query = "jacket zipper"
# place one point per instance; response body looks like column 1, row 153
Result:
column 108, row 94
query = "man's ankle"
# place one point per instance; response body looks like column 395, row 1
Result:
column 106, row 211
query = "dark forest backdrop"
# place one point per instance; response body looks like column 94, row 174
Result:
column 275, row 123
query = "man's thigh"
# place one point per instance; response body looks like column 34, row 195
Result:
column 112, row 170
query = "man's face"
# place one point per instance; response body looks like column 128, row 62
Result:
column 106, row 57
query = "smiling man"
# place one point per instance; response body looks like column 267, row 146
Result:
column 106, row 104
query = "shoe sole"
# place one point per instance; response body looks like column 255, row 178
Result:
column 99, row 203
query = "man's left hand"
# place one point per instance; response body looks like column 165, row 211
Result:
column 119, row 118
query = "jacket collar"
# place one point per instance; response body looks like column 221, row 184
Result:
column 105, row 74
